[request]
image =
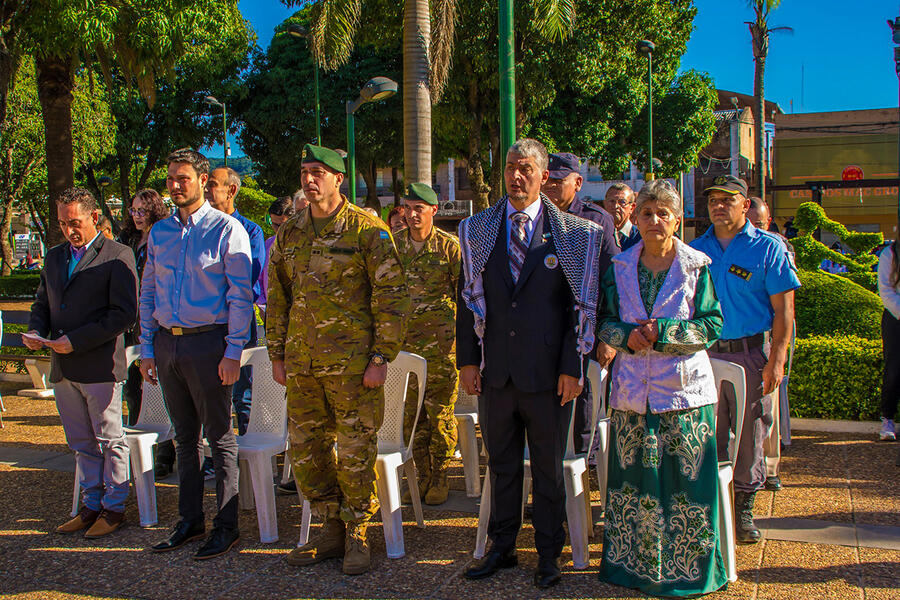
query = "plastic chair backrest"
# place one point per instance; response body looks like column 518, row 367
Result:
column 597, row 377
column 268, row 406
column 395, row 390
column 153, row 407
column 724, row 370
column 465, row 403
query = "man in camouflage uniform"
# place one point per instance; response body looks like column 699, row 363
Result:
column 431, row 260
column 336, row 308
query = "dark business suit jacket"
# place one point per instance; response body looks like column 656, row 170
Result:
column 530, row 333
column 93, row 307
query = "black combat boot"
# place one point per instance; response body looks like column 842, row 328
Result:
column 745, row 531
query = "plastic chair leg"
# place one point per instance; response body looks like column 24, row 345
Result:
column 144, row 480
column 586, row 485
column 468, row 447
column 602, row 459
column 388, row 490
column 76, row 495
column 575, row 512
column 260, row 467
column 305, row 518
column 413, row 482
column 484, row 515
column 245, row 485
column 727, row 538
column 286, row 470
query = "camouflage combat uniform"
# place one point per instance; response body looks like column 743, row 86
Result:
column 432, row 274
column 335, row 296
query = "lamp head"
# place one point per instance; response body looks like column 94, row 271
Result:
column 646, row 47
column 378, row 88
column 104, row 181
column 297, row 30
column 212, row 101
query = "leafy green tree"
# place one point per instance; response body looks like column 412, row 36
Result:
column 140, row 38
column 278, row 111
column 584, row 94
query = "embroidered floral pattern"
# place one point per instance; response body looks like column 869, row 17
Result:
column 629, row 433
column 642, row 542
column 613, row 335
column 684, row 337
column 650, row 283
column 683, row 434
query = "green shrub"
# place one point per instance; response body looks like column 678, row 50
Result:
column 20, row 285
column 254, row 204
column 837, row 377
column 867, row 279
column 830, row 305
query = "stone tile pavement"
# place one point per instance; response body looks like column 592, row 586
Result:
column 833, row 532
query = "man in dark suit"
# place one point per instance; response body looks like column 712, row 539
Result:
column 86, row 300
column 534, row 330
column 619, row 202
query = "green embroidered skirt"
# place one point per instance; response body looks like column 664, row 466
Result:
column 662, row 509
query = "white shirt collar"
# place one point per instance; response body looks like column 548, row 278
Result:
column 626, row 228
column 533, row 210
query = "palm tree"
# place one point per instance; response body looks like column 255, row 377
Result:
column 760, row 30
column 428, row 32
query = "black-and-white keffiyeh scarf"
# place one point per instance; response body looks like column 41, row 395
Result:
column 577, row 244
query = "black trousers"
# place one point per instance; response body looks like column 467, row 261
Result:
column 197, row 401
column 507, row 415
column 890, row 385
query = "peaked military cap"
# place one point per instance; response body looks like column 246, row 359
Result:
column 326, row 156
column 728, row 184
column 421, row 191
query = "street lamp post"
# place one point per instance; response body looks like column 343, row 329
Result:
column 377, row 88
column 213, row 102
column 895, row 30
column 507, row 79
column 299, row 31
column 647, row 47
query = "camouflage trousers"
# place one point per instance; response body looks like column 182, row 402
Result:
column 338, row 481
column 436, row 435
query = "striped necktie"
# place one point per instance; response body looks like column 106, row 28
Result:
column 517, row 245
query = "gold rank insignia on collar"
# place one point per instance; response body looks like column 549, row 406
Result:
column 740, row 272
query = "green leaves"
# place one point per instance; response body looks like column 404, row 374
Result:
column 554, row 19
column 333, row 30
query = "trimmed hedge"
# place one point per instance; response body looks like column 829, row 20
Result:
column 837, row 377
column 830, row 305
column 20, row 285
column 868, row 279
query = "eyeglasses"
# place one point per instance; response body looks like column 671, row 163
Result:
column 622, row 202
column 138, row 212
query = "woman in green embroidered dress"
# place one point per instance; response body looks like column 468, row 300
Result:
column 660, row 312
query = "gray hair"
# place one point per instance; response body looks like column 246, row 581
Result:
column 531, row 148
column 621, row 187
column 231, row 178
column 661, row 192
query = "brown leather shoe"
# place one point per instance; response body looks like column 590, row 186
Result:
column 84, row 519
column 106, row 523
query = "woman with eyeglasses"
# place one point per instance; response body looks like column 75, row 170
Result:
column 147, row 207
column 660, row 312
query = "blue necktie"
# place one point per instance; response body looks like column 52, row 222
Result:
column 517, row 245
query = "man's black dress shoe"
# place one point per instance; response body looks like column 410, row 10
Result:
column 220, row 541
column 184, row 532
column 493, row 562
column 547, row 574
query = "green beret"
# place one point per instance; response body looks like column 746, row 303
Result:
column 326, row 156
column 421, row 191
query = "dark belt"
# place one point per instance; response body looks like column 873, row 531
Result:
column 193, row 330
column 738, row 345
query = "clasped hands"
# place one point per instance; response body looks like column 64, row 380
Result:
column 644, row 336
column 567, row 387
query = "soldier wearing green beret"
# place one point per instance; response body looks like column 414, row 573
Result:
column 431, row 260
column 336, row 308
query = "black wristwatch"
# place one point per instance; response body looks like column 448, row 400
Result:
column 377, row 359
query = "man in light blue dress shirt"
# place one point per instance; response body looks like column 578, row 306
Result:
column 196, row 313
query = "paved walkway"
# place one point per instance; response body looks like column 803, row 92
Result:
column 833, row 532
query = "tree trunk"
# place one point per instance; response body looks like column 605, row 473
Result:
column 55, row 80
column 152, row 160
column 101, row 201
column 396, row 185
column 475, row 167
column 759, row 93
column 416, row 92
column 369, row 176
column 498, row 161
column 9, row 255
column 125, row 180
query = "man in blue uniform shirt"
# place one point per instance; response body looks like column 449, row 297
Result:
column 562, row 188
column 755, row 281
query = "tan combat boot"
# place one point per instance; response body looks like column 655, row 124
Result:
column 439, row 489
column 329, row 543
column 356, row 556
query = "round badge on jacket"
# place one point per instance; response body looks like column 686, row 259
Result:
column 550, row 261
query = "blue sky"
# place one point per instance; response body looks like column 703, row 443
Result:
column 843, row 51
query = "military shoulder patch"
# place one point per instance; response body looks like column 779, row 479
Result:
column 740, row 272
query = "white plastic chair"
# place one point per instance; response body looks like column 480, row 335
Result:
column 394, row 452
column 734, row 374
column 602, row 433
column 466, row 413
column 575, row 475
column 265, row 438
column 153, row 426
